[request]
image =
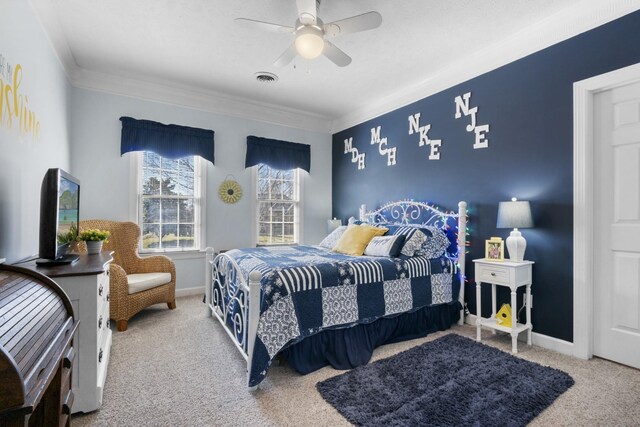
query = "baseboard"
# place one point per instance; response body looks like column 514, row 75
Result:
column 537, row 339
column 187, row 292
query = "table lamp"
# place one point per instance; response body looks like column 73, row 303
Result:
column 332, row 224
column 515, row 214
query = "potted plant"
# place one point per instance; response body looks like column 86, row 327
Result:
column 94, row 239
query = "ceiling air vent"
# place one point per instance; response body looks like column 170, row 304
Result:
column 265, row 77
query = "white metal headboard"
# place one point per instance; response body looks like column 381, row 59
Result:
column 408, row 212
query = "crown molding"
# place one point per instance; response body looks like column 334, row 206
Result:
column 165, row 91
column 199, row 99
column 45, row 14
column 554, row 29
column 565, row 24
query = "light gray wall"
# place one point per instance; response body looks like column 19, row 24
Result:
column 105, row 175
column 24, row 160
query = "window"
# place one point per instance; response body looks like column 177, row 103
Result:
column 278, row 198
column 169, row 202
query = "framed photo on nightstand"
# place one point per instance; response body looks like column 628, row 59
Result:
column 494, row 249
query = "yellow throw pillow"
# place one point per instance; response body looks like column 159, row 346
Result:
column 356, row 238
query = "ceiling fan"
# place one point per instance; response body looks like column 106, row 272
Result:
column 311, row 33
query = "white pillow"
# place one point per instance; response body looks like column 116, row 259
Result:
column 331, row 240
column 384, row 245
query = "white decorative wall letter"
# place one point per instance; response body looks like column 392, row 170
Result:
column 435, row 150
column 382, row 143
column 414, row 123
column 481, row 141
column 414, row 126
column 348, row 145
column 355, row 156
column 462, row 107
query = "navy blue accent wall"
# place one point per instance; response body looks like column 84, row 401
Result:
column 529, row 107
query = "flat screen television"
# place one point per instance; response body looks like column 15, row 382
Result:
column 59, row 210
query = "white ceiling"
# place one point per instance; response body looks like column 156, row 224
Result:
column 195, row 44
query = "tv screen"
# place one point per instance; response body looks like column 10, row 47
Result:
column 59, row 210
column 68, row 207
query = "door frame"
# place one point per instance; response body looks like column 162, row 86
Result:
column 583, row 162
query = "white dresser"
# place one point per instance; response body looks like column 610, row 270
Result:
column 87, row 284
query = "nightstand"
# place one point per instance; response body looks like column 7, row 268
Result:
column 509, row 274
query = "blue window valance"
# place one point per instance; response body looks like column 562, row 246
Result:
column 172, row 141
column 277, row 154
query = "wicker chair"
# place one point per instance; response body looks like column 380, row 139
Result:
column 123, row 240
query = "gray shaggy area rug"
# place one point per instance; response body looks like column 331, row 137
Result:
column 451, row 381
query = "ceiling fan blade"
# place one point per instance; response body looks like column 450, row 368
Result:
column 335, row 55
column 307, row 11
column 354, row 24
column 286, row 57
column 265, row 26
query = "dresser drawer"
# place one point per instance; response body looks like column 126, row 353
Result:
column 493, row 274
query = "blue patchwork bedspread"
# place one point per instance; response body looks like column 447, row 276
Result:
column 307, row 289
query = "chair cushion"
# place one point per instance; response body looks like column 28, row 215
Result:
column 143, row 281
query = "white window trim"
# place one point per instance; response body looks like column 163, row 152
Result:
column 135, row 161
column 254, row 208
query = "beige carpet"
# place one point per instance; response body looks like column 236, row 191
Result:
column 179, row 368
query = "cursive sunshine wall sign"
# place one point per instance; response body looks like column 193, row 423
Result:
column 15, row 112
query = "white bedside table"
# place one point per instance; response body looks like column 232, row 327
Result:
column 509, row 274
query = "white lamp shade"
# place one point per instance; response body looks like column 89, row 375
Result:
column 514, row 214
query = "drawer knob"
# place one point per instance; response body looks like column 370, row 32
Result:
column 100, row 289
column 100, row 356
column 108, row 296
column 68, row 403
column 68, row 358
column 100, row 322
column 493, row 274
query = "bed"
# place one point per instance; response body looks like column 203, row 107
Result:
column 319, row 307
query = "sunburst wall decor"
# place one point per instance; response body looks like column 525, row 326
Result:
column 230, row 191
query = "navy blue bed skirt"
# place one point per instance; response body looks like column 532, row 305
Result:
column 351, row 347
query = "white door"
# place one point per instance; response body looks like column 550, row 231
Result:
column 616, row 322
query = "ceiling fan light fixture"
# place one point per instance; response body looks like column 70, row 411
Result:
column 311, row 35
column 309, row 42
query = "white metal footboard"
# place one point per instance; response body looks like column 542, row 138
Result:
column 227, row 288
